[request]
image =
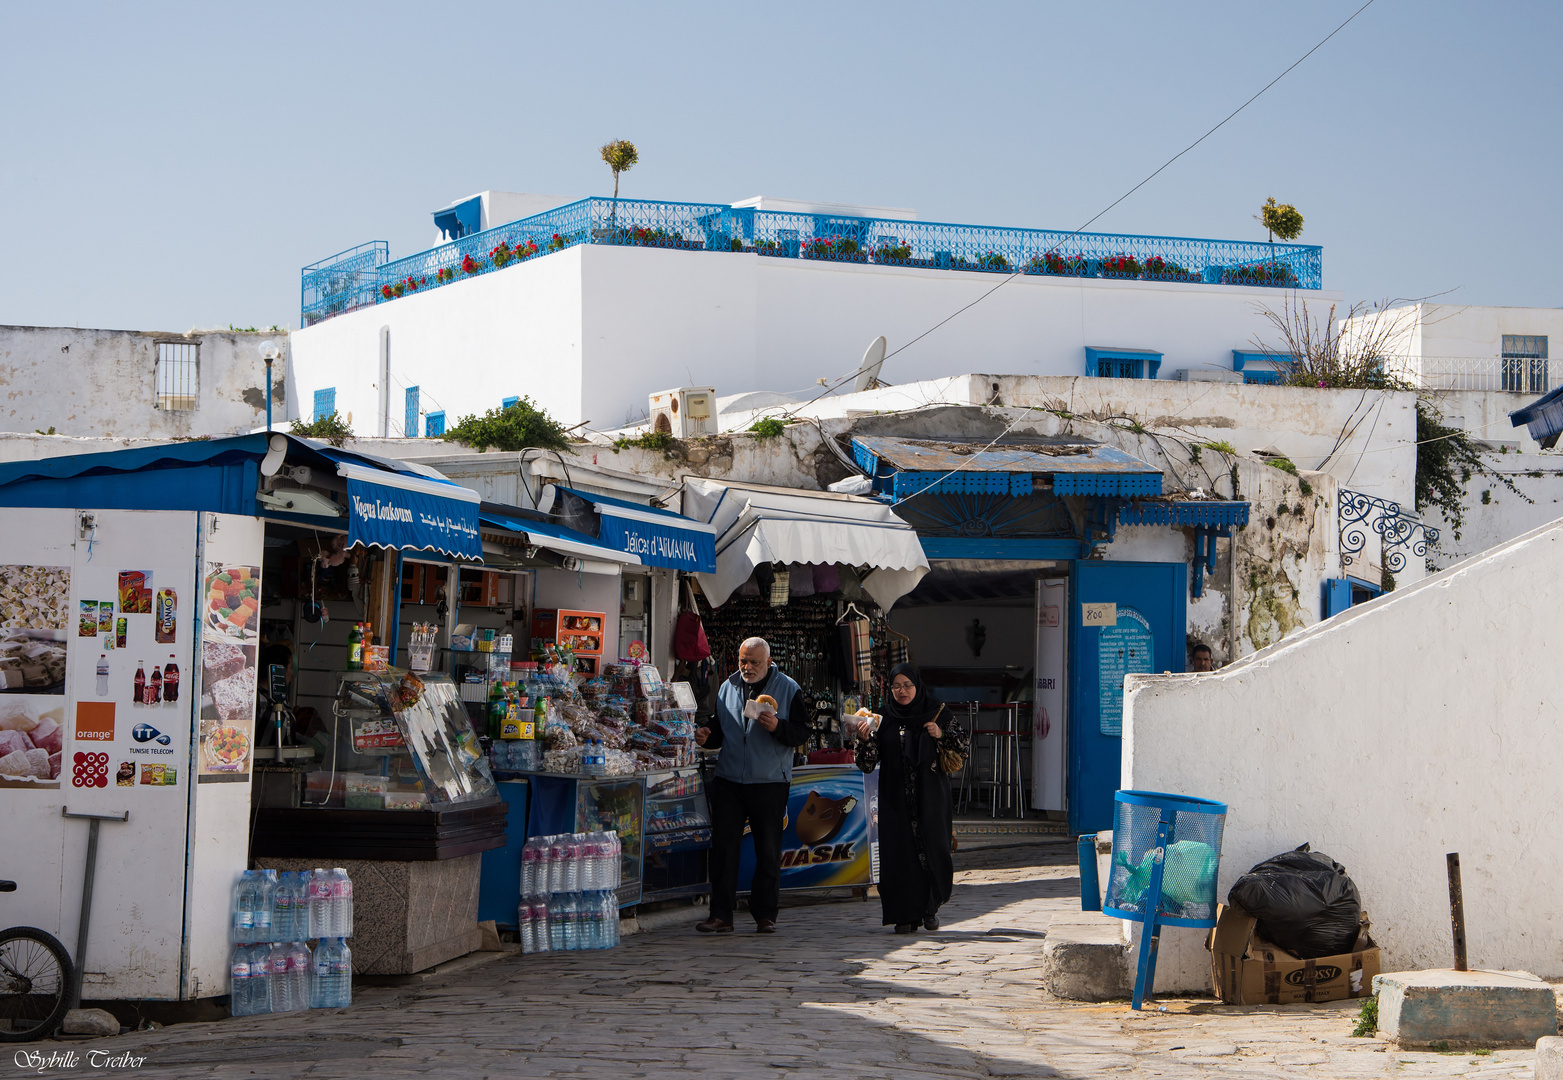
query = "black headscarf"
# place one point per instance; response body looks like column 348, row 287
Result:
column 910, row 719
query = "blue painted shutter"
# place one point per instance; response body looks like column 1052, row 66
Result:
column 1337, row 596
column 410, row 424
column 325, row 402
column 434, row 424
column 509, row 401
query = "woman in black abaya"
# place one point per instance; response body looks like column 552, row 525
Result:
column 915, row 869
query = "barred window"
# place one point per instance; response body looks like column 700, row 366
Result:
column 174, row 376
column 434, row 424
column 325, row 402
column 1525, row 363
column 410, row 417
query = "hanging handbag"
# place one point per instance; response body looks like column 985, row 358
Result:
column 950, row 760
column 689, row 636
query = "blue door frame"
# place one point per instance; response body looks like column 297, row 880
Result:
column 1158, row 592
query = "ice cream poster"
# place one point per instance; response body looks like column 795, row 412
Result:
column 828, row 831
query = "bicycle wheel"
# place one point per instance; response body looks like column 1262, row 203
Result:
column 35, row 984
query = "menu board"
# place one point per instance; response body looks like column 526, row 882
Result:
column 1126, row 649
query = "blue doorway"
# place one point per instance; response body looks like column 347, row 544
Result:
column 1144, row 631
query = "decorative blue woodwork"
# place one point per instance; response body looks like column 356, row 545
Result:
column 1185, row 513
column 976, row 514
column 363, row 275
column 505, row 403
column 1121, row 363
column 1116, row 485
column 434, row 424
column 1359, row 513
column 410, row 417
column 460, row 220
column 347, row 280
column 325, row 403
column 1342, row 594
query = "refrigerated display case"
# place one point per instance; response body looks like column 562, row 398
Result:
column 676, row 861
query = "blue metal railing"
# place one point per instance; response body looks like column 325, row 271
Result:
column 347, row 280
column 823, row 237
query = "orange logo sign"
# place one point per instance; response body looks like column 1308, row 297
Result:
column 95, row 721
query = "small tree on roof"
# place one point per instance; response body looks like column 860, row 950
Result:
column 1280, row 221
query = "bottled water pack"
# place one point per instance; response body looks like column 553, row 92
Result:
column 569, row 896
column 271, row 917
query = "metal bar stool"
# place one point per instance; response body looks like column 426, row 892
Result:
column 967, row 774
column 1004, row 778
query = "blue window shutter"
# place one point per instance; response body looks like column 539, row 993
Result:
column 410, row 424
column 325, row 402
column 434, row 424
column 509, row 401
column 1337, row 596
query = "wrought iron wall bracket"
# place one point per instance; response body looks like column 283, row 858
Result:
column 1399, row 531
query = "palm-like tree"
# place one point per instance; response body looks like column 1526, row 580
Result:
column 620, row 156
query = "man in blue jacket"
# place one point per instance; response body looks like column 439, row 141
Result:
column 753, row 778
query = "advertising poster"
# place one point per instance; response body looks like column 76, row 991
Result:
column 230, row 644
column 129, row 720
column 829, row 835
column 1048, row 729
column 1126, row 649
column 35, row 617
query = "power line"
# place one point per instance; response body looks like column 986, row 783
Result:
column 1012, row 276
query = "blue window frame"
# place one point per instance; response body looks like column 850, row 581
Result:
column 1121, row 363
column 434, row 424
column 507, row 402
column 1343, row 594
column 325, row 402
column 1258, row 368
column 410, row 422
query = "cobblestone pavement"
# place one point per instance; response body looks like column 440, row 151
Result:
column 832, row 995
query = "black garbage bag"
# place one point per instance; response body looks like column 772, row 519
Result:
column 1304, row 901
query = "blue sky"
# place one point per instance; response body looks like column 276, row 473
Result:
column 173, row 165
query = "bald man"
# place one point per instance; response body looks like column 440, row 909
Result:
column 753, row 778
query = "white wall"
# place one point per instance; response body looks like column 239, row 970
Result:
column 1494, row 514
column 592, row 331
column 1422, row 723
column 584, row 592
column 466, row 347
column 103, row 382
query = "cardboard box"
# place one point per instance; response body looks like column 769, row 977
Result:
column 1247, row 970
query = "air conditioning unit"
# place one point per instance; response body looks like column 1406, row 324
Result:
column 685, row 412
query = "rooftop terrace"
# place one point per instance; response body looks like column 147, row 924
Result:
column 366, row 274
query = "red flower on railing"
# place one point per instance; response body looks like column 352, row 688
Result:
column 469, row 265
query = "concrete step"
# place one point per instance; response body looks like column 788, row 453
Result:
column 1456, row 1009
column 1086, row 958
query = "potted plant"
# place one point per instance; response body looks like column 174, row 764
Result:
column 992, row 260
column 1160, row 269
column 1121, row 266
column 1051, row 262
column 469, row 265
column 835, row 249
column 897, row 254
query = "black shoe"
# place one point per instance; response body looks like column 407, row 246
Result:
column 931, row 922
column 713, row 925
column 906, row 928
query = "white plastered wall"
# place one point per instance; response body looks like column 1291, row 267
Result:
column 1419, row 724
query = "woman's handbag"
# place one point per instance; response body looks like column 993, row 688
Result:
column 950, row 761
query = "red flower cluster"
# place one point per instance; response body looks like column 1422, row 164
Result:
column 469, row 265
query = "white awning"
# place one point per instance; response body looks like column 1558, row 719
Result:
column 756, row 524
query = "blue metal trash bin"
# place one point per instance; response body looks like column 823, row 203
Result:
column 1166, row 852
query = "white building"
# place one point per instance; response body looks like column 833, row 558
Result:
column 1480, row 364
column 612, row 301
column 139, row 383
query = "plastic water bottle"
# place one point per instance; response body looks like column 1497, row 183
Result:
column 298, row 974
column 265, row 888
column 540, row 927
column 277, row 979
column 239, row 971
column 556, row 848
column 529, row 869
column 341, row 903
column 571, row 916
column 572, row 865
column 556, row 922
column 319, row 892
column 525, row 929
column 259, row 956
column 282, row 905
column 333, row 984
column 243, row 913
column 342, row 970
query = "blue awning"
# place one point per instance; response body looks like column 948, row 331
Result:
column 656, row 537
column 558, row 538
column 401, row 510
column 903, row 467
column 1543, row 418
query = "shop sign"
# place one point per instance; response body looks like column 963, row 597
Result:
column 381, row 515
column 660, row 545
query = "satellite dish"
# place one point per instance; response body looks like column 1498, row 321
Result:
column 873, row 360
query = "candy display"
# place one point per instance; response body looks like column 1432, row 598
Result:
column 616, row 724
column 35, row 597
column 32, row 661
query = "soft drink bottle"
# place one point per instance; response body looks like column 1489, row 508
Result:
column 140, row 683
column 277, row 978
column 155, row 687
column 540, row 927
column 171, row 680
column 342, row 901
column 239, row 970
column 319, row 893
